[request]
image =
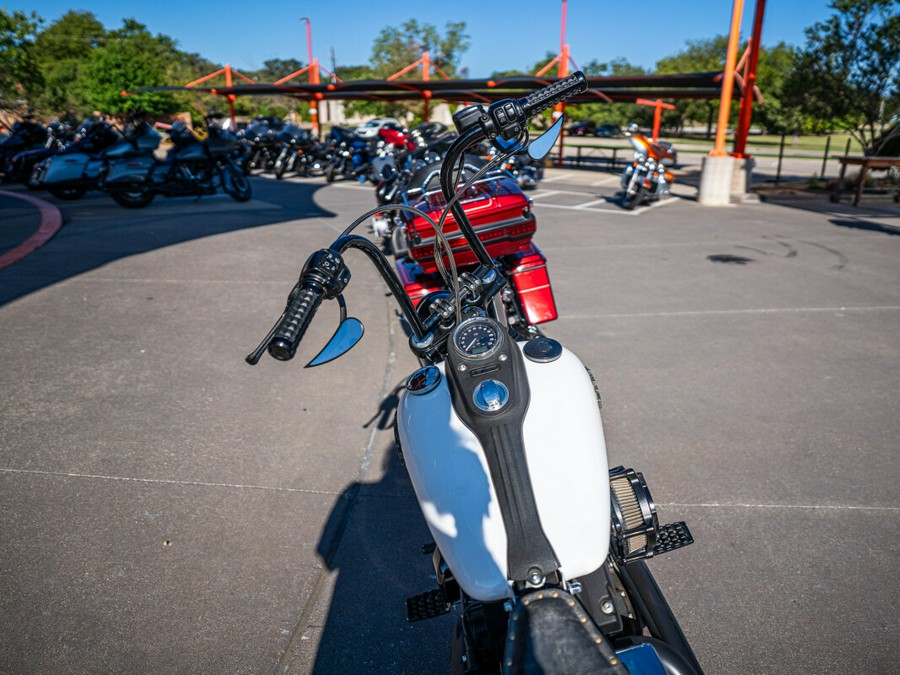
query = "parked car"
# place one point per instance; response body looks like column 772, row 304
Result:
column 582, row 128
column 608, row 131
column 371, row 128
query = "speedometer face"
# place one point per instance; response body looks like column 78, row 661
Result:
column 477, row 338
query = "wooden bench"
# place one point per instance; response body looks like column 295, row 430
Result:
column 865, row 163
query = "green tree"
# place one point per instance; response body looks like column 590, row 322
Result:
column 132, row 58
column 397, row 47
column 700, row 56
column 849, row 71
column 615, row 113
column 20, row 77
column 63, row 51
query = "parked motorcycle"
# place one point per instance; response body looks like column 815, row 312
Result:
column 261, row 139
column 26, row 134
column 351, row 155
column 646, row 179
column 526, row 172
column 538, row 545
column 299, row 152
column 81, row 166
column 191, row 168
column 20, row 166
column 503, row 220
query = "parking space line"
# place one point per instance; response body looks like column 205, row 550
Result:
column 732, row 312
column 605, row 181
column 561, row 176
column 542, row 193
column 588, row 205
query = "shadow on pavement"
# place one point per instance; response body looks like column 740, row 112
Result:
column 97, row 231
column 372, row 543
column 866, row 225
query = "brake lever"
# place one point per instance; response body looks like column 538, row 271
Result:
column 254, row 357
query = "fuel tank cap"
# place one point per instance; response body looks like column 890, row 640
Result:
column 490, row 395
column 542, row 350
column 423, row 380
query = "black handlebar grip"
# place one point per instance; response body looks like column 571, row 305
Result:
column 542, row 99
column 296, row 320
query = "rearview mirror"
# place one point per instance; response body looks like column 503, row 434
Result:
column 541, row 145
column 348, row 333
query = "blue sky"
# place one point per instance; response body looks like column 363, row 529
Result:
column 246, row 34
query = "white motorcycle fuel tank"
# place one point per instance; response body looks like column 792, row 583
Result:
column 565, row 452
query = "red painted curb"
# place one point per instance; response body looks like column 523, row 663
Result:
column 51, row 221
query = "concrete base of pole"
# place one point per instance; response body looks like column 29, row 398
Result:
column 740, row 178
column 716, row 177
column 741, row 181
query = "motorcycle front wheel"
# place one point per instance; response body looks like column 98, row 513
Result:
column 632, row 199
column 236, row 185
column 132, row 197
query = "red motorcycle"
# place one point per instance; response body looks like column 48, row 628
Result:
column 504, row 222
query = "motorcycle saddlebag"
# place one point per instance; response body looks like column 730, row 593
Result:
column 64, row 168
column 529, row 275
column 498, row 210
column 132, row 170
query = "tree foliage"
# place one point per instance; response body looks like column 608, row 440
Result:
column 131, row 58
column 20, row 77
column 396, row 48
column 63, row 52
column 849, row 70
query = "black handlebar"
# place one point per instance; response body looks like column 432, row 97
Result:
column 297, row 317
column 542, row 99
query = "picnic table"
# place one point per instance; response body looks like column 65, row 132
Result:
column 865, row 163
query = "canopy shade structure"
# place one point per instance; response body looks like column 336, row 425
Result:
column 600, row 89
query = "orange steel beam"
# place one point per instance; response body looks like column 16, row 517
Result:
column 728, row 80
column 427, row 64
column 657, row 114
column 746, row 109
column 228, row 71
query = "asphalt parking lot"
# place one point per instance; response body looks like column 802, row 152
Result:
column 166, row 508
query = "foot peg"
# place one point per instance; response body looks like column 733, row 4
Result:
column 426, row 605
column 671, row 537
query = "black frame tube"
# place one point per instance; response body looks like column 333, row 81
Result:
column 383, row 266
column 448, row 166
column 651, row 603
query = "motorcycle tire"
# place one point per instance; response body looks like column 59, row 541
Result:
column 236, row 185
column 330, row 172
column 132, row 198
column 68, row 194
column 630, row 201
column 280, row 168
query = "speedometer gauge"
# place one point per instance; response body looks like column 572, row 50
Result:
column 477, row 338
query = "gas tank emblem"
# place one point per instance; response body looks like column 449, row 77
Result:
column 542, row 350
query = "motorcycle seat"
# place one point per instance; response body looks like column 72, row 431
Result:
column 549, row 632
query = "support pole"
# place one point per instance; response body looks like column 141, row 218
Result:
column 728, row 80
column 746, row 110
column 314, row 102
column 230, row 97
column 657, row 114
